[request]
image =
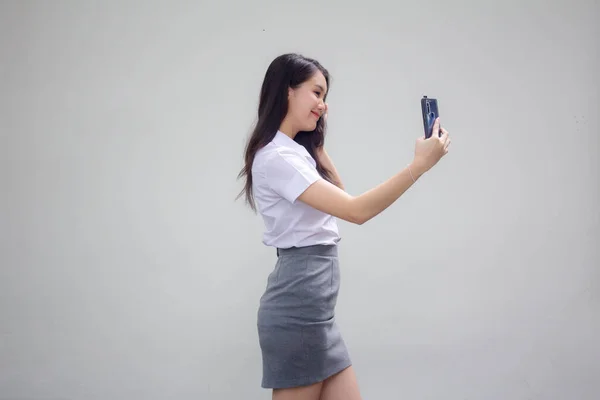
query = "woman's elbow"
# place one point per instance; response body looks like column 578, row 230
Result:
column 357, row 217
column 358, row 221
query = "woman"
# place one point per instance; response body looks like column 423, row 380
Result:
column 296, row 188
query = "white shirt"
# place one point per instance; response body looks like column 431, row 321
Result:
column 282, row 171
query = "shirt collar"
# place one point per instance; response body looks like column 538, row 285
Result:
column 282, row 139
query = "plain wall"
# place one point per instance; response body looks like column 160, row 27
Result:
column 128, row 271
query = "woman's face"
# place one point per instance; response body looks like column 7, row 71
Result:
column 306, row 103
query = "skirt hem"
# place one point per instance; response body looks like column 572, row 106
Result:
column 306, row 380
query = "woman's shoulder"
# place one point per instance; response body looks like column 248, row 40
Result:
column 272, row 156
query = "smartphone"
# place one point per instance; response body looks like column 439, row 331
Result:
column 430, row 111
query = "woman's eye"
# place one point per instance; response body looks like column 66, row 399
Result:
column 318, row 94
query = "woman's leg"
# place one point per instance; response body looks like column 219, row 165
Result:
column 311, row 392
column 341, row 386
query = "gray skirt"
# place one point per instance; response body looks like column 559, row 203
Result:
column 299, row 339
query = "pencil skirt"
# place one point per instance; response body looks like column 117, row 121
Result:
column 299, row 338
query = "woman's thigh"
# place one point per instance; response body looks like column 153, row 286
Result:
column 311, row 392
column 341, row 386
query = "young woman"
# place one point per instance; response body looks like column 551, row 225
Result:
column 296, row 188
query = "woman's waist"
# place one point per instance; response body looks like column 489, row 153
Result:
column 326, row 250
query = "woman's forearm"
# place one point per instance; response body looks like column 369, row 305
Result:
column 330, row 199
column 374, row 201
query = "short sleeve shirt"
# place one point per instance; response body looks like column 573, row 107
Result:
column 282, row 171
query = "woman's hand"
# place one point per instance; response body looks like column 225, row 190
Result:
column 429, row 151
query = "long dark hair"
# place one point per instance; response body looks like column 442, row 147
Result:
column 284, row 72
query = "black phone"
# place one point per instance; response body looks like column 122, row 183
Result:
column 430, row 111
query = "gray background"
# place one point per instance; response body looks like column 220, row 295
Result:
column 128, row 271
